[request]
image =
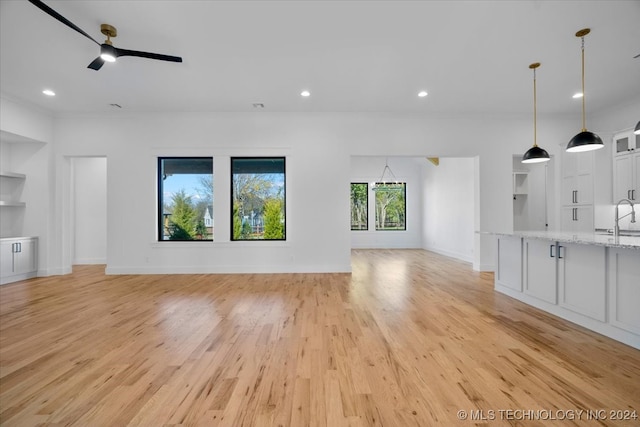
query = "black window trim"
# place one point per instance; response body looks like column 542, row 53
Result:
column 160, row 197
column 284, row 205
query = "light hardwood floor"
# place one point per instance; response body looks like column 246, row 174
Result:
column 409, row 339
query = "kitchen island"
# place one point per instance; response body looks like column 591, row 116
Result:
column 591, row 279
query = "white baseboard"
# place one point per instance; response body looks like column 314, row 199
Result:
column 228, row 269
column 89, row 261
column 450, row 254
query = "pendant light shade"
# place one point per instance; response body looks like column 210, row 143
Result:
column 637, row 129
column 535, row 154
column 585, row 140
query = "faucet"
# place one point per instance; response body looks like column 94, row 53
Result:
column 616, row 230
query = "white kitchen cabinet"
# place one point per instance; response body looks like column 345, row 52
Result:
column 18, row 259
column 624, row 289
column 509, row 262
column 577, row 219
column 572, row 276
column 626, row 167
column 582, row 279
column 577, row 192
column 577, row 178
column 539, row 269
column 625, row 143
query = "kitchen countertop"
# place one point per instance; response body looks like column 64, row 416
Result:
column 599, row 239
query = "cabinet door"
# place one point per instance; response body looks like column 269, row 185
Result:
column 569, row 188
column 509, row 264
column 635, row 195
column 584, row 188
column 584, row 220
column 540, row 269
column 568, row 215
column 581, row 279
column 577, row 219
column 624, row 291
column 6, row 258
column 621, row 144
column 622, row 177
column 25, row 260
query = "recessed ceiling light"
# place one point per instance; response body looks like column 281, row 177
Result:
column 49, row 92
column 422, row 93
column 305, row 93
column 578, row 95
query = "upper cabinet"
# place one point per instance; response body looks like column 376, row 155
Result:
column 577, row 192
column 626, row 167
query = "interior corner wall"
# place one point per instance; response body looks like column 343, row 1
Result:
column 406, row 169
column 449, row 207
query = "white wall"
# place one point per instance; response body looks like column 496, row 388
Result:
column 318, row 149
column 448, row 207
column 406, row 169
column 89, row 216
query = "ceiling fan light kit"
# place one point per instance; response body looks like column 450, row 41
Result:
column 535, row 154
column 108, row 53
column 585, row 140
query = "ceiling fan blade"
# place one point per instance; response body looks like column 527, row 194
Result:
column 60, row 18
column 96, row 64
column 126, row 52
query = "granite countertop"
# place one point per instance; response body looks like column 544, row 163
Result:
column 595, row 238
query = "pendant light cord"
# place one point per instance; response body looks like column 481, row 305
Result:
column 584, row 125
column 535, row 109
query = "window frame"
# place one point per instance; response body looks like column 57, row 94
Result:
column 404, row 187
column 366, row 223
column 160, row 215
column 231, row 196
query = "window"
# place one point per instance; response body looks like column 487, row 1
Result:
column 185, row 198
column 359, row 205
column 391, row 206
column 258, row 198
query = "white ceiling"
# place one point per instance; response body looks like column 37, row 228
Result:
column 354, row 56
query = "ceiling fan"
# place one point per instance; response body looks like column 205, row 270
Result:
column 108, row 53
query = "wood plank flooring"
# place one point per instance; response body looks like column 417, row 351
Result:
column 409, row 339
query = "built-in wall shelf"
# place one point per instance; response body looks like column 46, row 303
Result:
column 12, row 204
column 5, row 174
column 520, row 185
column 10, row 188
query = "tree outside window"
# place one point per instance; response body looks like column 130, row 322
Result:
column 258, row 198
column 359, row 206
column 390, row 206
column 185, row 198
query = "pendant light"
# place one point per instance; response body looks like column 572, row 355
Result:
column 382, row 183
column 637, row 129
column 585, row 140
column 535, row 154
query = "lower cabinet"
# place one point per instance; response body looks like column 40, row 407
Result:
column 18, row 259
column 624, row 289
column 582, row 279
column 592, row 285
column 570, row 275
column 509, row 262
column 540, row 270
